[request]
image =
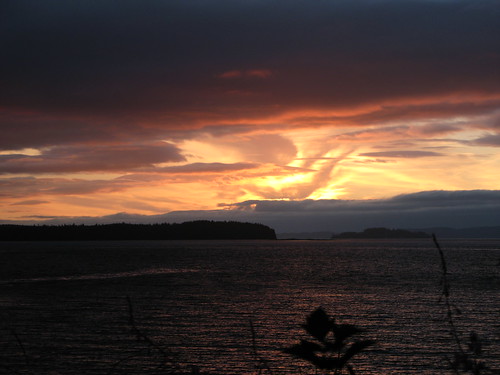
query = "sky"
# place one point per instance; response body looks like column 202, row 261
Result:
column 232, row 108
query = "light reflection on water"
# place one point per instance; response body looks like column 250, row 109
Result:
column 66, row 302
column 98, row 276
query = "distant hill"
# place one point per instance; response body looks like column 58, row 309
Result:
column 191, row 230
column 376, row 233
column 473, row 232
column 440, row 232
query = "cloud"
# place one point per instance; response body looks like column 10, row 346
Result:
column 420, row 210
column 430, row 109
column 64, row 159
column 142, row 206
column 459, row 209
column 205, row 168
column 30, row 202
column 137, row 61
column 38, row 130
column 394, row 136
column 268, row 148
column 231, row 74
column 407, row 154
column 432, row 130
column 261, row 148
column 369, row 135
column 21, row 187
column 212, row 131
column 440, row 198
column 491, row 140
column 259, row 73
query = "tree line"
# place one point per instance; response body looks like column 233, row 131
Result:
column 191, row 230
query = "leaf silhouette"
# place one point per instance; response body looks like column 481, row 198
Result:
column 318, row 324
column 305, row 350
column 327, row 363
column 344, row 331
column 356, row 348
column 333, row 353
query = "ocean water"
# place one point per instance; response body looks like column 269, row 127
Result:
column 148, row 307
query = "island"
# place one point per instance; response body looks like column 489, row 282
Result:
column 191, row 230
column 381, row 233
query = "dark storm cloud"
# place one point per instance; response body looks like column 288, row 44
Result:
column 64, row 159
column 131, row 57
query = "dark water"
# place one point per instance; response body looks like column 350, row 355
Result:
column 63, row 306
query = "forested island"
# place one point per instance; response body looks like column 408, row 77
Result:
column 380, row 233
column 191, row 230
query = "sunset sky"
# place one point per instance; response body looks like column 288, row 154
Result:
column 147, row 107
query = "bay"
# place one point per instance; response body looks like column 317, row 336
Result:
column 66, row 307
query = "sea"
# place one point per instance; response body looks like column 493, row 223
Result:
column 233, row 307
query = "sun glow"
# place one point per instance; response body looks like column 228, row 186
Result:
column 281, row 182
column 330, row 192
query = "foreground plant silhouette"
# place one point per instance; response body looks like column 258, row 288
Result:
column 467, row 358
column 167, row 361
column 334, row 346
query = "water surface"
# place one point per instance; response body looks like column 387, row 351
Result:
column 64, row 310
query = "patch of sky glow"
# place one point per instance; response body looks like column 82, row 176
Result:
column 308, row 135
column 283, row 182
column 23, row 151
column 197, row 151
column 330, row 192
column 471, row 134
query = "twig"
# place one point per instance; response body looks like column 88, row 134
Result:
column 258, row 358
column 20, row 344
column 446, row 295
column 141, row 336
column 468, row 360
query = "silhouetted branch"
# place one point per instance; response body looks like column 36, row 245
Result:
column 10, row 370
column 20, row 344
column 261, row 361
column 446, row 296
column 167, row 362
column 466, row 360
